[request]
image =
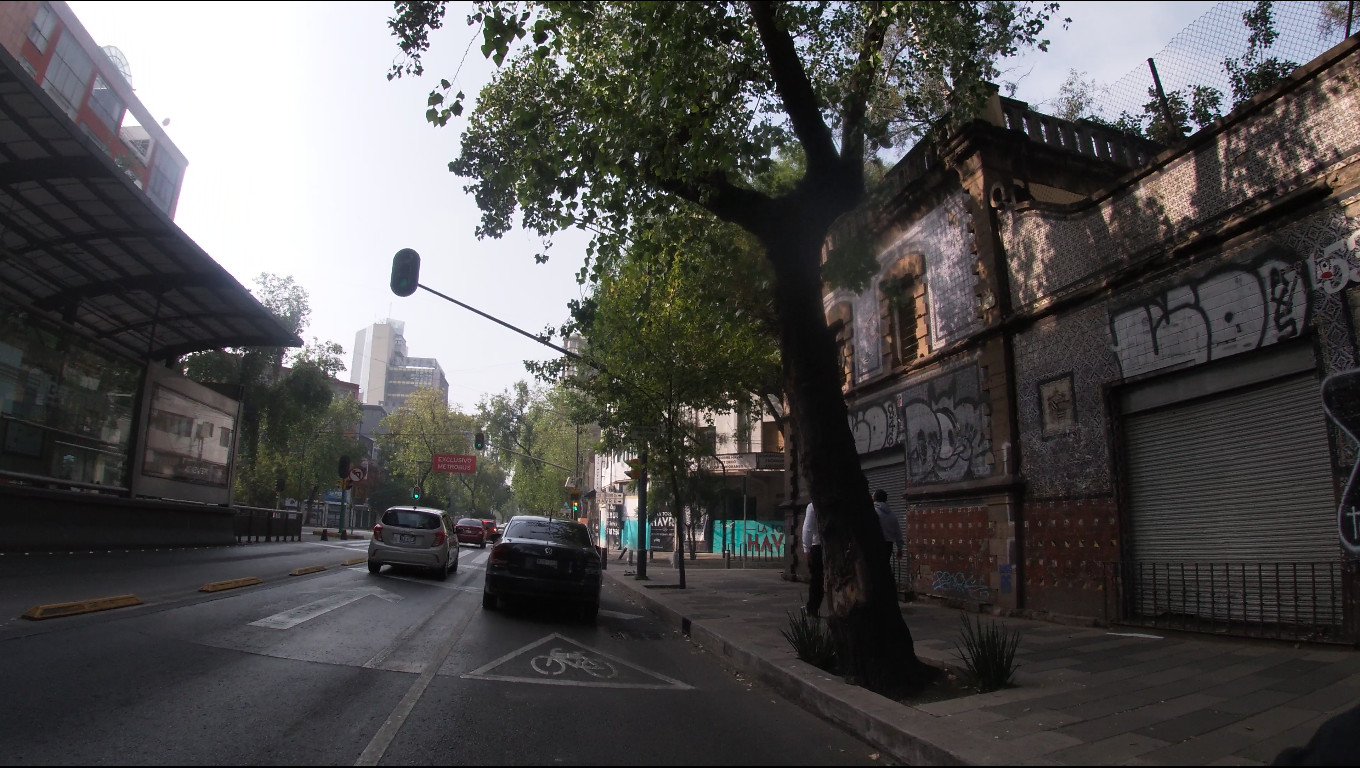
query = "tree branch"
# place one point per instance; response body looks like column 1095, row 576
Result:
column 853, row 109
column 800, row 100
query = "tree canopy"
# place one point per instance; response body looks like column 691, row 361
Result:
column 609, row 116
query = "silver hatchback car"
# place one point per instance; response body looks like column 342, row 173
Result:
column 414, row 536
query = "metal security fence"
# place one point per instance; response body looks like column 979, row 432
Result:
column 1204, row 57
column 1309, row 601
column 252, row 524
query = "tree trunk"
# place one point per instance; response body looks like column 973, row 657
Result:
column 874, row 647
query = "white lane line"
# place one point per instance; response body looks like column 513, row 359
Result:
column 1135, row 634
column 373, row 753
column 291, row 618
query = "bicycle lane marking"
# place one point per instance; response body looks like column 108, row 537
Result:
column 559, row 660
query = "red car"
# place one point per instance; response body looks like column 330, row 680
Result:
column 470, row 530
column 492, row 532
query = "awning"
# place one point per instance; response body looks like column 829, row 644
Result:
column 81, row 243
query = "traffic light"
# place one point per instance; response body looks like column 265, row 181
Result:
column 634, row 469
column 405, row 272
column 479, row 441
column 575, row 503
column 415, row 493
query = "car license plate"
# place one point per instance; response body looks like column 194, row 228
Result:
column 407, row 539
column 547, row 562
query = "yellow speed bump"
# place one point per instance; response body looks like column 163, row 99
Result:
column 355, row 561
column 53, row 610
column 308, row 569
column 218, row 586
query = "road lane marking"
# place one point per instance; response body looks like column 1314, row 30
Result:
column 373, row 753
column 617, row 615
column 528, row 665
column 291, row 618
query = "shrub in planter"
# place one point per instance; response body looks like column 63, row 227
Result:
column 811, row 640
column 989, row 653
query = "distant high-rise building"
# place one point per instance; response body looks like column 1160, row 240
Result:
column 92, row 85
column 385, row 373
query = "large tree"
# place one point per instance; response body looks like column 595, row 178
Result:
column 608, row 114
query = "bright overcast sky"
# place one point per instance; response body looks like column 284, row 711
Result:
column 305, row 161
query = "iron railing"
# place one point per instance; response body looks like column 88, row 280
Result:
column 1308, row 601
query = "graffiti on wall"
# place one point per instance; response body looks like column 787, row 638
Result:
column 1223, row 314
column 1339, row 264
column 762, row 538
column 960, row 584
column 945, row 428
column 877, row 424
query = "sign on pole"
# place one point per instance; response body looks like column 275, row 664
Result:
column 456, row 463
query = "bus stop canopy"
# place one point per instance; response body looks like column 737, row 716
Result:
column 80, row 242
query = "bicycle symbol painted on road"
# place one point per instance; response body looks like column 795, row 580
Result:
column 559, row 659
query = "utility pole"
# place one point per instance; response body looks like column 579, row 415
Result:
column 642, row 532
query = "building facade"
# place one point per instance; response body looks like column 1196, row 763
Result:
column 386, row 374
column 1088, row 369
column 91, row 85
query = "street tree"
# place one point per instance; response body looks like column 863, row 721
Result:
column 530, row 431
column 414, row 433
column 678, row 330
column 604, row 115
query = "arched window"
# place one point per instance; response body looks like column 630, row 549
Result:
column 902, row 311
column 841, row 322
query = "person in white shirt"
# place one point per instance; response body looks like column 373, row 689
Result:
column 812, row 547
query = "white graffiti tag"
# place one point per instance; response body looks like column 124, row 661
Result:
column 1224, row 314
column 946, row 440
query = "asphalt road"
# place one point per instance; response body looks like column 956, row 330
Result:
column 343, row 667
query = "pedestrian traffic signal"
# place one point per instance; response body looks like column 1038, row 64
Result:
column 415, row 493
column 634, row 469
column 479, row 441
column 405, row 272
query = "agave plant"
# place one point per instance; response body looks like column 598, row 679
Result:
column 810, row 640
column 989, row 652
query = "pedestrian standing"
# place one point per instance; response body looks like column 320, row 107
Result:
column 892, row 532
column 812, row 547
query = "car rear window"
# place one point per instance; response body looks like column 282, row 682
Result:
column 411, row 518
column 470, row 521
column 573, row 534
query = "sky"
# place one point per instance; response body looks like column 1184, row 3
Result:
column 305, row 161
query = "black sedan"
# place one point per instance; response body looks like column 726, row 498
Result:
column 539, row 557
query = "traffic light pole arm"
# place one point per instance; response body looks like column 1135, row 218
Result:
column 534, row 458
column 523, row 333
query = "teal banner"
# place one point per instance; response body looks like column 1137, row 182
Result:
column 762, row 538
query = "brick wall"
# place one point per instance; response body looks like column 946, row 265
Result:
column 1066, row 544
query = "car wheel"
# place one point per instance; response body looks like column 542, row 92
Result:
column 591, row 612
column 374, row 567
column 441, row 573
column 453, row 564
column 488, row 600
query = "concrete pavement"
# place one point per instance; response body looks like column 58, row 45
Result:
column 1082, row 695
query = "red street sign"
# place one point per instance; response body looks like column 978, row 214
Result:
column 456, row 463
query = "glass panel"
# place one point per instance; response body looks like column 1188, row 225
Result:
column 69, row 73
column 180, row 443
column 65, row 406
column 40, row 31
column 106, row 104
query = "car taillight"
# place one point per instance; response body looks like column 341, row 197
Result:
column 439, row 537
column 500, row 554
column 377, row 532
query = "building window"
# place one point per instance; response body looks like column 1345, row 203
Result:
column 708, row 440
column 40, row 31
column 106, row 104
column 841, row 323
column 165, row 176
column 899, row 297
column 69, row 74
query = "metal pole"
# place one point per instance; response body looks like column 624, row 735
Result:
column 1161, row 96
column 744, row 478
column 1350, row 15
column 642, row 537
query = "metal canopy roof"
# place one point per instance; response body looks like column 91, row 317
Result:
column 81, row 243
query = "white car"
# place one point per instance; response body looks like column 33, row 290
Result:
column 413, row 536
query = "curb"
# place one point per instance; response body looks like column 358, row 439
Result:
column 54, row 610
column 863, row 713
column 218, row 586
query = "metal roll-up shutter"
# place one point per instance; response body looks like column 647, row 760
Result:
column 893, row 480
column 1227, row 496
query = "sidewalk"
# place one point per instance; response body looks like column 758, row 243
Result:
column 1083, row 695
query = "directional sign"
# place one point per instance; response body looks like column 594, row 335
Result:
column 356, row 474
column 455, row 462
